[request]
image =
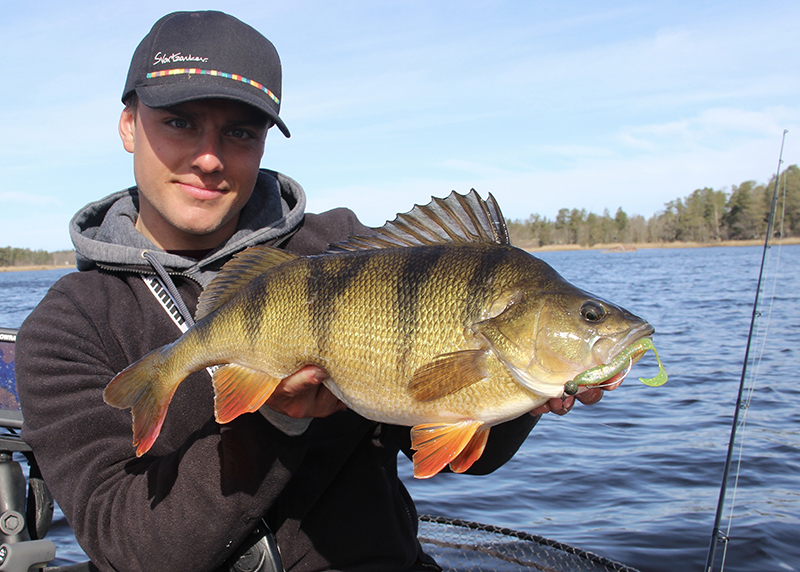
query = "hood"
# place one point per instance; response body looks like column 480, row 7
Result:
column 104, row 232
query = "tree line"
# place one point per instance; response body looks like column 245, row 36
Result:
column 706, row 216
column 26, row 257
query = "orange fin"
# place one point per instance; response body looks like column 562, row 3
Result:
column 447, row 374
column 140, row 387
column 472, row 452
column 437, row 444
column 239, row 389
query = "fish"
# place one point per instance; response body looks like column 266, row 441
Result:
column 435, row 322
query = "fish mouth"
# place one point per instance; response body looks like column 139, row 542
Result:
column 606, row 350
column 610, row 375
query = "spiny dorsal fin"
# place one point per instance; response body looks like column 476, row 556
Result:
column 456, row 219
column 240, row 270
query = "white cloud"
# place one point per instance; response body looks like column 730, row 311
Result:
column 7, row 198
column 764, row 122
column 718, row 128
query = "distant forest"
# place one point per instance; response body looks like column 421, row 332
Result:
column 705, row 216
column 25, row 257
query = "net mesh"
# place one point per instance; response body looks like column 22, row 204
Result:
column 460, row 546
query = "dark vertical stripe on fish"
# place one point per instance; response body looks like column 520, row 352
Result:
column 415, row 266
column 484, row 273
column 328, row 279
column 252, row 311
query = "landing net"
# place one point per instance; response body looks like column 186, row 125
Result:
column 461, row 546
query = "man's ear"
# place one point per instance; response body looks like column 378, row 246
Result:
column 127, row 127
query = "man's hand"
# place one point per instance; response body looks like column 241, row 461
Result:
column 586, row 395
column 302, row 395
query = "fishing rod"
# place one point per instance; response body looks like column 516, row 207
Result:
column 717, row 535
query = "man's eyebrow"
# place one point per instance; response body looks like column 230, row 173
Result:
column 256, row 122
column 249, row 119
column 254, row 119
column 177, row 109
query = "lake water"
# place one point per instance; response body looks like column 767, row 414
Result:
column 636, row 478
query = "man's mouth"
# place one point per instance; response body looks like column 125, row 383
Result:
column 200, row 191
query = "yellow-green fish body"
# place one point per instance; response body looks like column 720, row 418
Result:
column 372, row 319
column 449, row 334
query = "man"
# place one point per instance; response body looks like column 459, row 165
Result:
column 202, row 91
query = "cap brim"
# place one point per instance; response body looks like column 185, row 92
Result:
column 173, row 94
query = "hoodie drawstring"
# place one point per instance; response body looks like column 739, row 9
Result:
column 167, row 282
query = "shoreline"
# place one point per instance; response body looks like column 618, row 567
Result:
column 36, row 267
column 633, row 247
column 611, row 247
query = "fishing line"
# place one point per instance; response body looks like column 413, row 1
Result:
column 752, row 384
column 743, row 401
column 758, row 360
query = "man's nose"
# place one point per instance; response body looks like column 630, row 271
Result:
column 209, row 153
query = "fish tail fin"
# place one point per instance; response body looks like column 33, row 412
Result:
column 239, row 389
column 146, row 387
column 437, row 444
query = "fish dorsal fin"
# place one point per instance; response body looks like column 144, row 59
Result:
column 455, row 219
column 240, row 270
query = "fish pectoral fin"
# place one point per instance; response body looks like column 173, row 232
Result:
column 437, row 444
column 239, row 389
column 447, row 374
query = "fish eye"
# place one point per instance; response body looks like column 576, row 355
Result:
column 593, row 311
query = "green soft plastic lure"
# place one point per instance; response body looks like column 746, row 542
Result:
column 623, row 361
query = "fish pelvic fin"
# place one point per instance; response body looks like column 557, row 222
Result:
column 146, row 387
column 239, row 389
column 438, row 444
column 472, row 452
column 455, row 219
column 240, row 270
column 448, row 373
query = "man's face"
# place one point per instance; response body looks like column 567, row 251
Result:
column 195, row 165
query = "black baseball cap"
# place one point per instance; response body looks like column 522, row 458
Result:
column 188, row 56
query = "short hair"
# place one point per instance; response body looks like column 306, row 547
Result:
column 132, row 102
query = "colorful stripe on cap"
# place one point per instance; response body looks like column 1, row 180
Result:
column 197, row 71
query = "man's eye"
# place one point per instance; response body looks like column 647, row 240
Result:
column 178, row 123
column 240, row 133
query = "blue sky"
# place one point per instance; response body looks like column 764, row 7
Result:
column 548, row 105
